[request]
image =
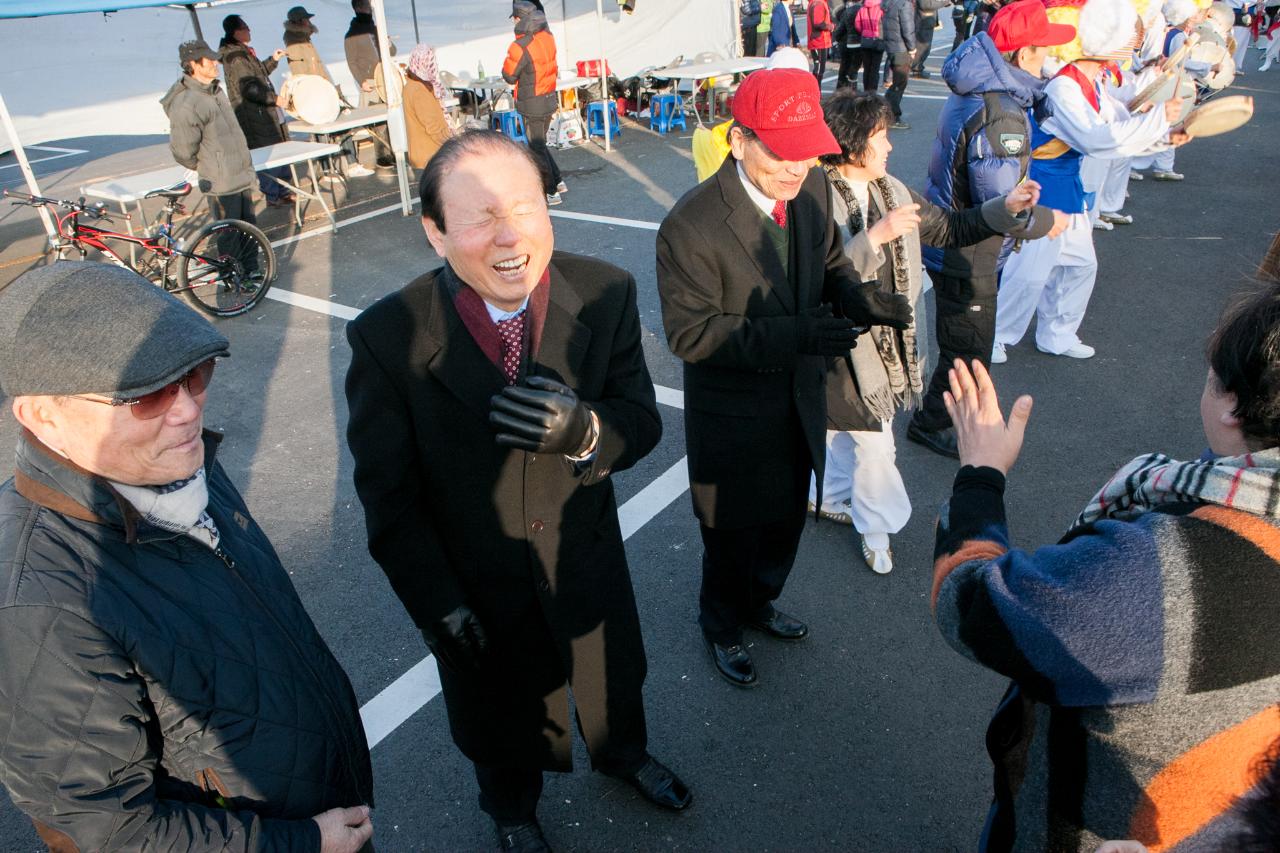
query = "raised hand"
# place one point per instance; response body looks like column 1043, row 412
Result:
column 984, row 437
column 1023, row 197
column 904, row 219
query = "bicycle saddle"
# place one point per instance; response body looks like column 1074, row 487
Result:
column 178, row 190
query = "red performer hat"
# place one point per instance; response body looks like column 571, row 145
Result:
column 1025, row 24
column 783, row 107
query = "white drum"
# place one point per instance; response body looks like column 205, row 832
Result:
column 311, row 98
column 380, row 83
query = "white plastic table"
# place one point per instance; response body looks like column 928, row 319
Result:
column 132, row 189
column 349, row 120
column 699, row 71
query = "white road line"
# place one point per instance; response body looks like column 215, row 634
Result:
column 606, row 220
column 320, row 306
column 670, row 396
column 409, row 693
column 60, row 153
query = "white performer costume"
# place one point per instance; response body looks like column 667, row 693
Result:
column 1053, row 279
column 1177, row 12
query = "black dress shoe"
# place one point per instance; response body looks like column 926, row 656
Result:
column 782, row 626
column 733, row 663
column 657, row 784
column 522, row 837
column 940, row 441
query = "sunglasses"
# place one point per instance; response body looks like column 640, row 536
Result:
column 158, row 402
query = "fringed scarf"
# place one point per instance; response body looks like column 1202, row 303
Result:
column 889, row 374
column 1250, row 483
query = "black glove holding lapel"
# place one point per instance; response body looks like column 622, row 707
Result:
column 820, row 333
column 544, row 417
column 868, row 305
column 457, row 640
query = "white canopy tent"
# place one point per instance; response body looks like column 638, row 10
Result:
column 88, row 68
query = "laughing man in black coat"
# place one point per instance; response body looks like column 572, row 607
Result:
column 490, row 401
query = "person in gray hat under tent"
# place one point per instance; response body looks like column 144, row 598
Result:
column 161, row 685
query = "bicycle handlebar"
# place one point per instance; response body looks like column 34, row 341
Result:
column 97, row 210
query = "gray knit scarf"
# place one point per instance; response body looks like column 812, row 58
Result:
column 888, row 374
column 178, row 507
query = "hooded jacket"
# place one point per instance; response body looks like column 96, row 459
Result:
column 982, row 149
column 156, row 694
column 205, row 135
column 531, row 62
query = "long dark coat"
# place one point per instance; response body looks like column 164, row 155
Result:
column 252, row 95
column 533, row 547
column 755, row 409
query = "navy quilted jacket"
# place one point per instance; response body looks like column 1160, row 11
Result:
column 155, row 694
column 987, row 168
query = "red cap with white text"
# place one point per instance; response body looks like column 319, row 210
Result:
column 783, row 107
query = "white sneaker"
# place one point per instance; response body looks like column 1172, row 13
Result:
column 1168, row 176
column 1265, row 66
column 879, row 560
column 359, row 170
column 998, row 355
column 1135, row 175
column 1076, row 350
column 1116, row 218
column 554, row 199
column 1103, row 225
column 561, row 188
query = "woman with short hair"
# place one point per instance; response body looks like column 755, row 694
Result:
column 883, row 223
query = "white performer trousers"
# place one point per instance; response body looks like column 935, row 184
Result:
column 1242, row 35
column 1093, row 171
column 1051, row 279
column 1111, row 194
column 862, row 468
column 1163, row 161
column 1273, row 48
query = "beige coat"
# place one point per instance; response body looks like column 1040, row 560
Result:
column 424, row 118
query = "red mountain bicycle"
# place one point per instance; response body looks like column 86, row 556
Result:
column 225, row 269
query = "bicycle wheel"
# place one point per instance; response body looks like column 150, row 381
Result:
column 227, row 267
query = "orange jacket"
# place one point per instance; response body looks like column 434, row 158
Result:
column 531, row 66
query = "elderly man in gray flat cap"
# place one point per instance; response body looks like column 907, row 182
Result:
column 161, row 685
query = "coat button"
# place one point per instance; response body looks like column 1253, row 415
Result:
column 543, row 586
column 537, row 526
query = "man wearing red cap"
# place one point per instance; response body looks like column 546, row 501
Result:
column 756, row 295
column 982, row 151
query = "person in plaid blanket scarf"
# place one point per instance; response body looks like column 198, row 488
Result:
column 1142, row 648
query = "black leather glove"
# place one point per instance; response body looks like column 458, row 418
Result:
column 868, row 305
column 819, row 333
column 457, row 640
column 545, row 417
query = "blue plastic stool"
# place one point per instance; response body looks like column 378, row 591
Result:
column 595, row 119
column 666, row 112
column 510, row 124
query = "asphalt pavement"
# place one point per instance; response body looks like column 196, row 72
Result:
column 869, row 735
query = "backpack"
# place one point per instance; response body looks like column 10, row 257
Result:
column 868, row 23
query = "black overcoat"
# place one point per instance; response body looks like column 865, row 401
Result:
column 529, row 543
column 252, row 95
column 755, row 408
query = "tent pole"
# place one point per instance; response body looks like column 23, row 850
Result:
column 604, row 80
column 396, row 131
column 413, row 5
column 32, row 186
column 195, row 21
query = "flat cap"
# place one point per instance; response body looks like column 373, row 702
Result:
column 80, row 327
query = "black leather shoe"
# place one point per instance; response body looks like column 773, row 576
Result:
column 940, row 441
column 733, row 663
column 522, row 838
column 781, row 626
column 657, row 784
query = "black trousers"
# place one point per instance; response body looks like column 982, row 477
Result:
column 535, row 127
column 869, row 61
column 963, row 25
column 743, row 572
column 900, row 68
column 749, row 41
column 510, row 794
column 848, row 73
column 820, row 64
column 924, row 41
column 966, row 325
column 235, row 206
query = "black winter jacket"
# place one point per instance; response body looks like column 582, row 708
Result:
column 154, row 694
column 251, row 94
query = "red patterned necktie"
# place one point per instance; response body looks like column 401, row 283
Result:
column 511, row 331
column 780, row 213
